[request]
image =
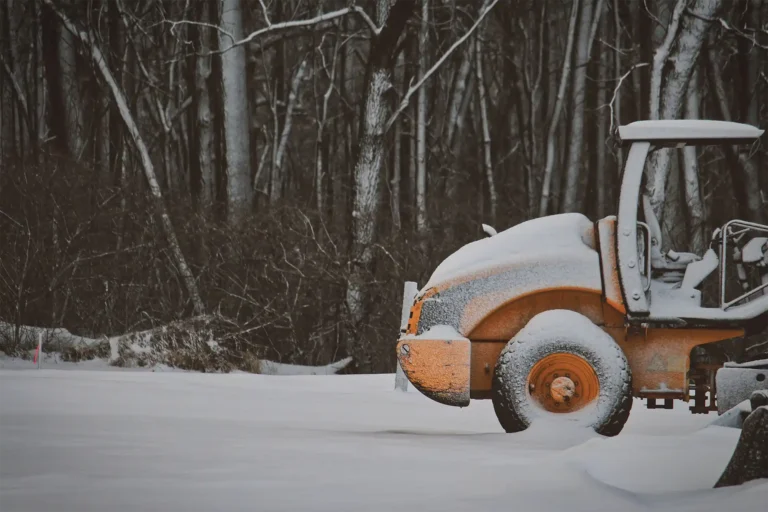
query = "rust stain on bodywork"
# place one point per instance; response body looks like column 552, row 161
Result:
column 606, row 229
column 438, row 368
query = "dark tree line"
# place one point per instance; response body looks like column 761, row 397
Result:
column 289, row 163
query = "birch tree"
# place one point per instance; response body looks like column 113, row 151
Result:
column 203, row 159
column 421, row 126
column 486, row 131
column 553, row 123
column 673, row 64
column 693, row 202
column 573, row 166
column 236, row 112
column 391, row 17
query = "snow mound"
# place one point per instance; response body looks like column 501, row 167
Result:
column 124, row 441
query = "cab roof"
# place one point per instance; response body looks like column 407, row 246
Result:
column 670, row 132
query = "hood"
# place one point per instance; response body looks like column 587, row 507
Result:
column 564, row 233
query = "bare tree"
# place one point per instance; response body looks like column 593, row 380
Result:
column 553, row 123
column 674, row 63
column 236, row 112
column 744, row 173
column 421, row 125
column 575, row 148
column 695, row 207
column 90, row 43
column 392, row 18
column 482, row 101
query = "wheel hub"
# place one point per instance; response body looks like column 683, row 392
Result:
column 563, row 383
column 562, row 389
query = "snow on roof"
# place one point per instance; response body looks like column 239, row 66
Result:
column 689, row 130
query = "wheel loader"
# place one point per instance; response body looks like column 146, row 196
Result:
column 565, row 319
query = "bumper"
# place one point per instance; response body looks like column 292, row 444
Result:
column 440, row 369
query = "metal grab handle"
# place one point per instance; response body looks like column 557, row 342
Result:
column 726, row 232
column 647, row 254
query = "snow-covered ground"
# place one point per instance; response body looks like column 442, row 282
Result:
column 138, row 441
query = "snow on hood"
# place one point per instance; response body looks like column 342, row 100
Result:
column 562, row 233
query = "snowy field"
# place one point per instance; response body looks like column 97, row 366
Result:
column 89, row 440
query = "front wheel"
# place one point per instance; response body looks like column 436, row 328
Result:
column 564, row 367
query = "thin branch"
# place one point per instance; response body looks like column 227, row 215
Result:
column 729, row 28
column 595, row 22
column 616, row 91
column 265, row 12
column 272, row 27
column 16, row 88
column 614, row 48
column 415, row 87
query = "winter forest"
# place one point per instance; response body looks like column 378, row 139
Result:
column 276, row 169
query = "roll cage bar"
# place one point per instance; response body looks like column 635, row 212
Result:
column 643, row 136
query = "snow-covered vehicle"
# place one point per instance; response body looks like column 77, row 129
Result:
column 566, row 318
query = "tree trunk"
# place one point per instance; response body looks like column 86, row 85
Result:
column 204, row 184
column 695, row 207
column 669, row 84
column 553, row 123
column 601, row 162
column 64, row 95
column 367, row 173
column 276, row 190
column 744, row 174
column 462, row 94
column 576, row 146
column 236, row 116
column 482, row 99
column 421, row 128
column 117, row 50
column 395, row 194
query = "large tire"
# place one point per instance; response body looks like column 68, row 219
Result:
column 564, row 367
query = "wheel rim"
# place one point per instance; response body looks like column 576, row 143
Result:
column 563, row 383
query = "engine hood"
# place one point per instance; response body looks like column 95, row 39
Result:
column 568, row 235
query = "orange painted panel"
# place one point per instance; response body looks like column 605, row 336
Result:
column 660, row 358
column 438, row 368
column 506, row 321
column 484, row 356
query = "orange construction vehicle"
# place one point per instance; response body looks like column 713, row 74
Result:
column 569, row 319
